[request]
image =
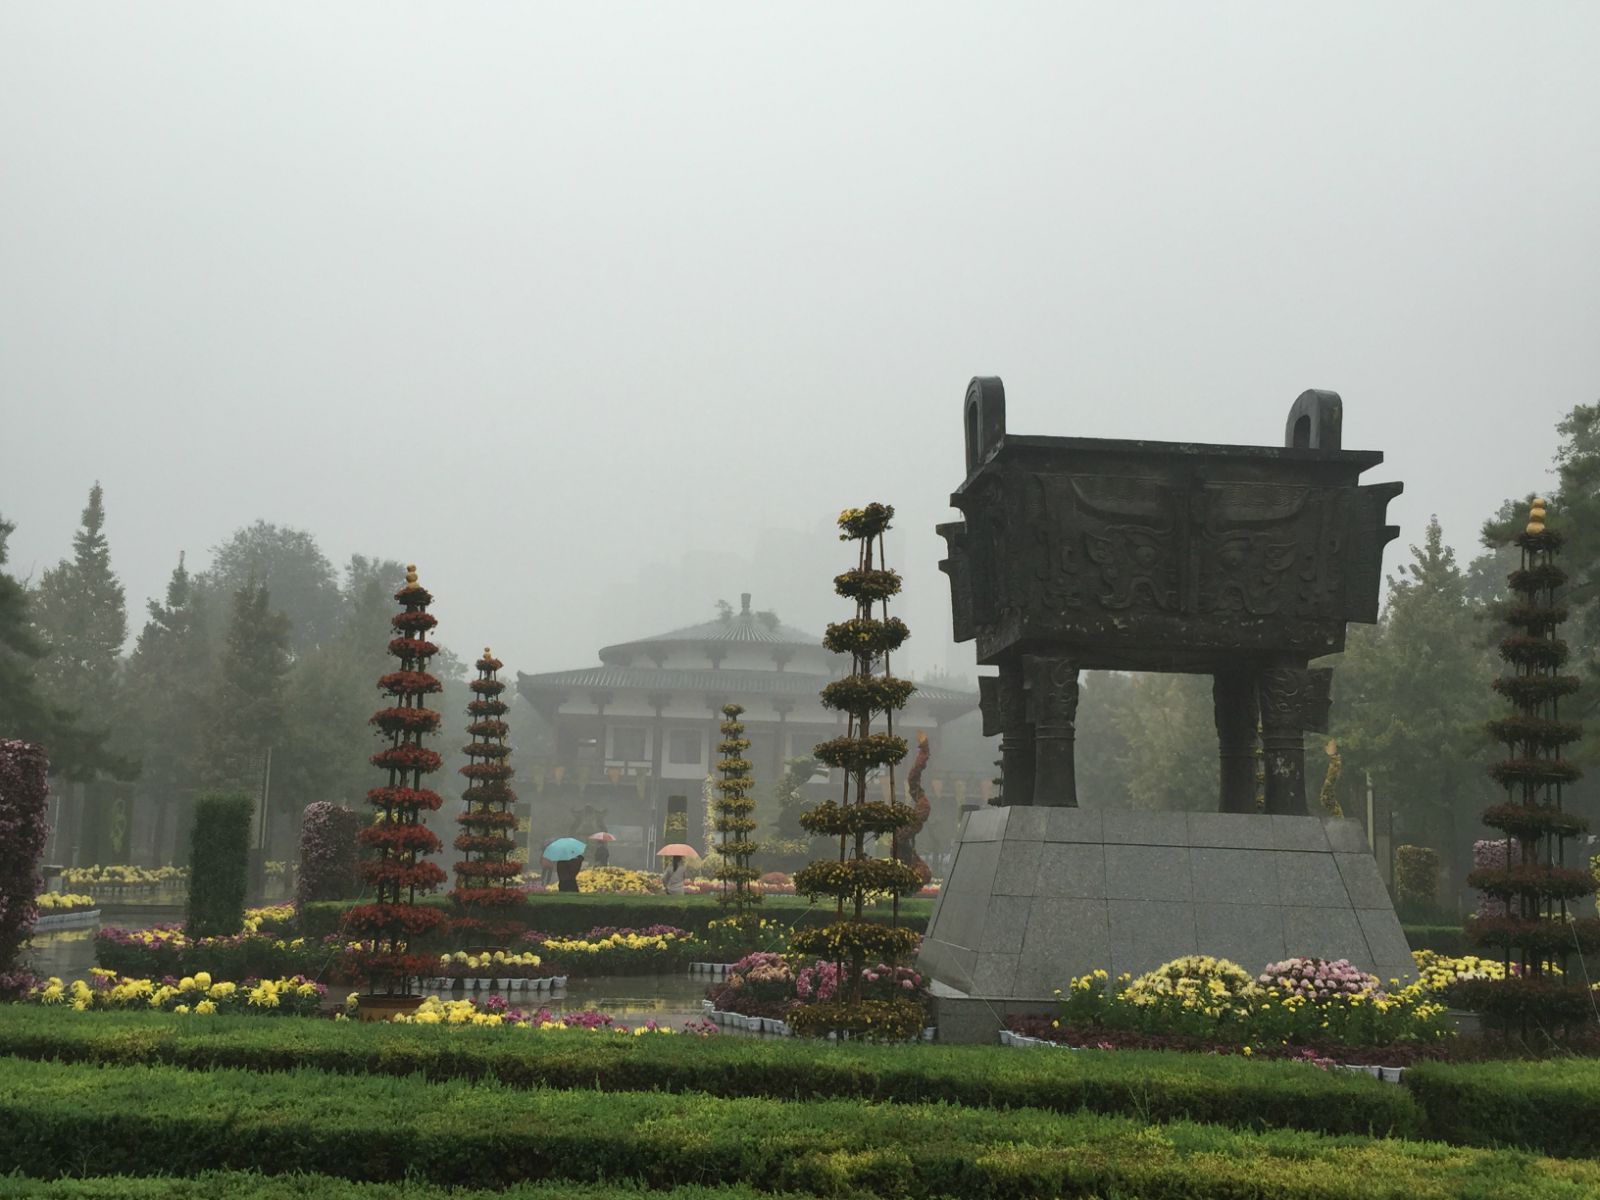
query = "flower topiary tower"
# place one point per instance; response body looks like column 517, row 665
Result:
column 1533, row 883
column 733, row 815
column 862, row 695
column 486, row 878
column 397, row 836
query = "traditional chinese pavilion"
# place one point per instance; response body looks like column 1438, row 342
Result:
column 636, row 734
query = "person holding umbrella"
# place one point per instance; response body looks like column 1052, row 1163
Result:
column 567, row 854
column 602, row 851
column 676, row 873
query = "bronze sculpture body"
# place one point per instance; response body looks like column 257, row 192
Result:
column 1241, row 562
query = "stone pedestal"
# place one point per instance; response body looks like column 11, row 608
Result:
column 1038, row 895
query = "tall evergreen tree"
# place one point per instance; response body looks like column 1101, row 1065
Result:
column 1409, row 703
column 81, row 614
column 331, row 687
column 165, row 704
column 247, row 705
column 26, row 711
column 303, row 583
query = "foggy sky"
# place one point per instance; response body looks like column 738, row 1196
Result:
column 600, row 313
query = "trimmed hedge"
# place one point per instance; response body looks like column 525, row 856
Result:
column 247, row 1185
column 1441, row 939
column 1552, row 1107
column 219, row 854
column 568, row 913
column 148, row 1120
column 1153, row 1085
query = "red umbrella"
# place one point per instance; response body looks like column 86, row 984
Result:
column 678, row 850
column 602, row 836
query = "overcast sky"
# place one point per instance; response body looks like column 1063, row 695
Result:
column 600, row 313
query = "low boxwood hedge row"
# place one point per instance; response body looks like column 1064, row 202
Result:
column 557, row 912
column 1551, row 1106
column 1154, row 1085
column 150, row 1120
column 248, row 1185
column 1441, row 939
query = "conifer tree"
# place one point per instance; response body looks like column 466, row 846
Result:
column 734, row 820
column 166, row 699
column 247, row 704
column 80, row 613
column 26, row 712
column 862, row 695
column 486, row 879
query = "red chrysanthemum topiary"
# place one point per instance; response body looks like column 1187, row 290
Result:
column 487, row 878
column 400, row 841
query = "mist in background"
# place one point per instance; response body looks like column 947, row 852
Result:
column 600, row 315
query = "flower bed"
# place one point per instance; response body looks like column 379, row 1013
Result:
column 64, row 910
column 64, row 902
column 495, row 1010
column 620, row 880
column 766, row 986
column 462, row 967
column 1199, row 1002
column 167, row 950
column 124, row 880
column 198, row 994
column 606, row 950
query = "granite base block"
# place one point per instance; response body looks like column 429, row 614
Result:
column 1043, row 895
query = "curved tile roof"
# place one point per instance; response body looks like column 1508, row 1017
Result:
column 742, row 626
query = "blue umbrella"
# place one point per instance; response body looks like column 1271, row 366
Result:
column 562, row 849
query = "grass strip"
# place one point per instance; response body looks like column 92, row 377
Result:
column 1551, row 1106
column 1151, row 1085
column 160, row 1120
column 249, row 1185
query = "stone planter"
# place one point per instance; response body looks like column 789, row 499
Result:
column 382, row 1008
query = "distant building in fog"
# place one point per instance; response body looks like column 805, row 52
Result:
column 641, row 727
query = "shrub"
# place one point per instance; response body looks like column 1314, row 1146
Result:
column 574, row 914
column 1416, row 879
column 1154, row 1086
column 157, row 1120
column 248, row 1185
column 220, row 864
column 1550, row 1107
column 328, row 853
column 166, row 950
column 23, row 832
